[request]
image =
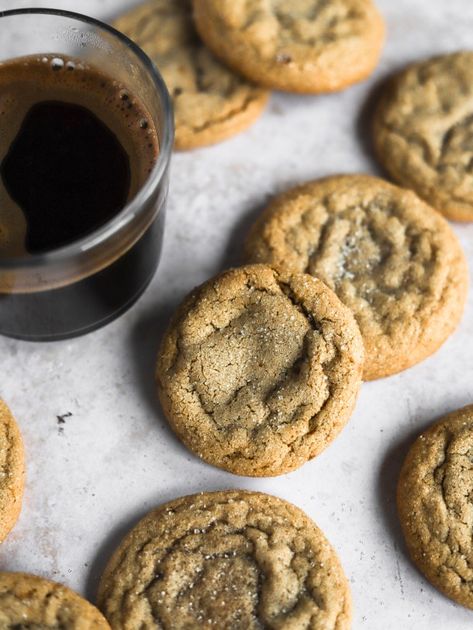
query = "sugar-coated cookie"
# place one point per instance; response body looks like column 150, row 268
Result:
column 298, row 46
column 260, row 369
column 229, row 560
column 28, row 601
column 423, row 132
column 434, row 503
column 389, row 257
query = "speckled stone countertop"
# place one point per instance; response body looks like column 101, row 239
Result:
column 114, row 457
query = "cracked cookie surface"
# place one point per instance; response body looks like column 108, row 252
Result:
column 260, row 369
column 300, row 46
column 229, row 560
column 12, row 471
column 423, row 132
column 389, row 257
column 211, row 103
column 435, row 508
column 33, row 603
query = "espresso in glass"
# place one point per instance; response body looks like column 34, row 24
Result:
column 86, row 135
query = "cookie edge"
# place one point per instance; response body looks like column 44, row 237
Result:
column 15, row 488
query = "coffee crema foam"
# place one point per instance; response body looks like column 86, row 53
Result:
column 28, row 81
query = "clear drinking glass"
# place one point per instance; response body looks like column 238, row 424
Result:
column 82, row 286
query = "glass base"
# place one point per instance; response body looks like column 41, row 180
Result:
column 86, row 329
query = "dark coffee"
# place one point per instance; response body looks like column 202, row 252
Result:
column 75, row 147
column 67, row 172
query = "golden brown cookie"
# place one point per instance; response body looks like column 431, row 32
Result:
column 388, row 256
column 259, row 370
column 434, row 502
column 423, row 132
column 28, row 601
column 211, row 103
column 12, row 471
column 231, row 560
column 299, row 46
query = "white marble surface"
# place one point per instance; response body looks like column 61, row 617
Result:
column 116, row 458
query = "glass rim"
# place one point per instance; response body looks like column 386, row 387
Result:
column 142, row 197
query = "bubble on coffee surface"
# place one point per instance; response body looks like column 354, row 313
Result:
column 57, row 63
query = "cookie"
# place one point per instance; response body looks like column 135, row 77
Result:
column 28, row 601
column 12, row 471
column 259, row 370
column 299, row 46
column 388, row 256
column 211, row 103
column 229, row 560
column 423, row 132
column 434, row 503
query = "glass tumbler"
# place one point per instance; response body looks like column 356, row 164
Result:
column 84, row 285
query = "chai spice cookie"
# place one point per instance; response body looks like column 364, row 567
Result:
column 389, row 257
column 211, row 103
column 12, row 471
column 435, row 508
column 28, row 601
column 259, row 370
column 229, row 560
column 298, row 46
column 423, row 132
